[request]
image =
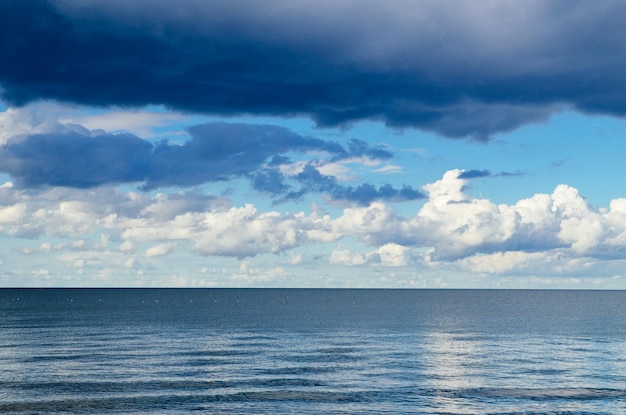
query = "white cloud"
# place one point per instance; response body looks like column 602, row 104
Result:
column 51, row 117
column 12, row 214
column 126, row 247
column 249, row 275
column 389, row 169
column 294, row 259
column 160, row 250
column 130, row 262
column 345, row 257
column 503, row 262
column 338, row 170
column 391, row 255
column 374, row 223
column 342, row 170
column 32, row 119
column 139, row 122
column 580, row 227
column 80, row 244
column 557, row 233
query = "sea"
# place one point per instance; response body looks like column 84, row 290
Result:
column 312, row 351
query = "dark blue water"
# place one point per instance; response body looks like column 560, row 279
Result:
column 289, row 351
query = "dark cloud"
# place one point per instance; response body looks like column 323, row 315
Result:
column 221, row 151
column 269, row 181
column 73, row 159
column 365, row 194
column 463, row 69
column 517, row 173
column 473, row 174
column 76, row 157
column 359, row 148
column 311, row 180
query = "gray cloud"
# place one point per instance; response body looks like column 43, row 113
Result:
column 472, row 174
column 221, row 151
column 466, row 69
column 75, row 157
column 313, row 181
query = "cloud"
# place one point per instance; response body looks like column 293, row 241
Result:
column 472, row 174
column 75, row 159
column 220, row 151
column 451, row 228
column 143, row 123
column 454, row 225
column 345, row 257
column 390, row 255
column 505, row 262
column 73, row 156
column 160, row 250
column 312, row 180
column 462, row 70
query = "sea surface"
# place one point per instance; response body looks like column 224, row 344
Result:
column 310, row 351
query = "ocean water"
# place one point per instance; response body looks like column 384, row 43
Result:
column 308, row 351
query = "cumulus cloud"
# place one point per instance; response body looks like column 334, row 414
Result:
column 390, row 255
column 454, row 225
column 505, row 262
column 345, row 257
column 451, row 227
column 462, row 69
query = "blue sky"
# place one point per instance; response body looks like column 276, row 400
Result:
column 399, row 144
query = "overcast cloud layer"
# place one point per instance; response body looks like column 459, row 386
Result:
column 461, row 69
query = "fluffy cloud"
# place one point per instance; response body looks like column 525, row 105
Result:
column 345, row 257
column 454, row 225
column 451, row 227
column 390, row 255
column 462, row 69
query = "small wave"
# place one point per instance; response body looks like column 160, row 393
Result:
column 258, row 337
column 317, row 357
column 216, row 353
column 547, row 413
column 165, row 402
column 543, row 393
column 297, row 370
column 253, row 345
column 339, row 350
column 85, row 387
column 286, row 382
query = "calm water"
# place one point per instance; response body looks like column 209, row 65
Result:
column 312, row 351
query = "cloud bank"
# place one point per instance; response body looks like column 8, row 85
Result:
column 450, row 227
column 462, row 69
column 72, row 156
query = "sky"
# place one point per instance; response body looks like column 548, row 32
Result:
column 397, row 144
